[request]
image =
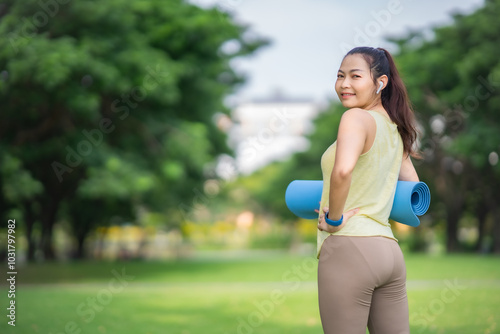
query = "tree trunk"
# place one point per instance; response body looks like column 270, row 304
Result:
column 46, row 242
column 80, row 249
column 452, row 244
column 30, row 222
column 454, row 210
column 496, row 231
column 49, row 213
column 481, row 213
column 50, row 201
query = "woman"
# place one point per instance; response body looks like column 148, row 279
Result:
column 361, row 271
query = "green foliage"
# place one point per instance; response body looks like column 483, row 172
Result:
column 111, row 102
column 453, row 80
column 457, row 70
column 19, row 184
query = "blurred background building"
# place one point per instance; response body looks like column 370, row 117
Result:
column 271, row 129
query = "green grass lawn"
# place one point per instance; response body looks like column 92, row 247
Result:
column 264, row 293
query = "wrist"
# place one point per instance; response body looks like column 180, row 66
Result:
column 333, row 222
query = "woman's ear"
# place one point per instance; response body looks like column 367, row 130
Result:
column 384, row 79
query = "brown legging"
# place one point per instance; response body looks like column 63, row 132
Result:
column 362, row 282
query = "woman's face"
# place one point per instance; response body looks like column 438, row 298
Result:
column 354, row 85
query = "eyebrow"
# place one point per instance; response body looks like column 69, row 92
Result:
column 353, row 70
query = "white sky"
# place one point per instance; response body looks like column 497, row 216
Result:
column 310, row 37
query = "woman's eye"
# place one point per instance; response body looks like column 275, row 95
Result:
column 340, row 76
column 356, row 76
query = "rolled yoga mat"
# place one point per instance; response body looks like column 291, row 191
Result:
column 411, row 199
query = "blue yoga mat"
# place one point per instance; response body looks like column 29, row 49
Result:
column 411, row 199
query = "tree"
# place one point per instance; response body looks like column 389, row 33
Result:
column 454, row 81
column 111, row 102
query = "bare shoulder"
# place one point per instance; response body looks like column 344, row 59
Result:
column 358, row 116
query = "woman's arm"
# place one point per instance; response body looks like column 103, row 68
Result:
column 351, row 141
column 355, row 129
column 407, row 171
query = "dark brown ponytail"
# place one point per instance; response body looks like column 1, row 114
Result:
column 394, row 96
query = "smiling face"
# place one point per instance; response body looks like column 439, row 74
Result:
column 354, row 86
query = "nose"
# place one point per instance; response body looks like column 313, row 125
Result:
column 345, row 83
column 342, row 83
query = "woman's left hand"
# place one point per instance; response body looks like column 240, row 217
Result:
column 324, row 226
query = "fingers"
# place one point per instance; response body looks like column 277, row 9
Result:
column 317, row 210
column 321, row 219
column 350, row 213
column 330, row 229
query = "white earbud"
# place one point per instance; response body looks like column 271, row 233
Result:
column 380, row 87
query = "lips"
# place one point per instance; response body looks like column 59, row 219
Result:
column 347, row 95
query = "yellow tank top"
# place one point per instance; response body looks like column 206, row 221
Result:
column 373, row 183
